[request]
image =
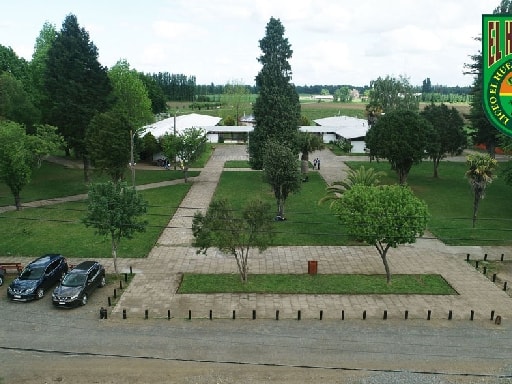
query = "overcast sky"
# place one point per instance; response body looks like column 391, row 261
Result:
column 333, row 41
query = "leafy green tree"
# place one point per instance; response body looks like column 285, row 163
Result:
column 10, row 62
column 447, row 135
column 187, row 146
column 282, row 172
column 37, row 66
column 480, row 174
column 15, row 103
column 77, row 87
column 308, row 142
column 21, row 153
column 155, row 93
column 131, row 96
column 383, row 216
column 115, row 210
column 233, row 233
column 389, row 94
column 108, row 143
column 343, row 95
column 150, row 146
column 237, row 96
column 277, row 107
column 360, row 176
column 401, row 137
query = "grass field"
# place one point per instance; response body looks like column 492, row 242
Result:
column 322, row 284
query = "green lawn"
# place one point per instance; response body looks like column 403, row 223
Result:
column 58, row 228
column 317, row 284
column 307, row 223
column 450, row 202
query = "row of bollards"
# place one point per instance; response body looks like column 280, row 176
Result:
column 484, row 269
column 103, row 314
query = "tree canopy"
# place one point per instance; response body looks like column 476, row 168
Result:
column 401, row 137
column 277, row 107
column 282, row 172
column 383, row 216
column 233, row 232
column 447, row 136
column 77, row 86
column 115, row 210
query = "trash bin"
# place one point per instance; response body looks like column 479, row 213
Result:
column 312, row 267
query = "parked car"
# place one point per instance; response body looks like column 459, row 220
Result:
column 38, row 276
column 78, row 284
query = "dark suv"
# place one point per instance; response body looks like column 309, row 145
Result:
column 38, row 276
column 78, row 284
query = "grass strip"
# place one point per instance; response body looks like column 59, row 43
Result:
column 320, row 284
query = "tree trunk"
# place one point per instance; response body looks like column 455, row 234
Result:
column 304, row 164
column 114, row 253
column 476, row 202
column 383, row 251
column 402, row 176
column 185, row 174
column 17, row 201
column 436, row 166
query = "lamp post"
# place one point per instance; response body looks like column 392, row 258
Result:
column 175, row 157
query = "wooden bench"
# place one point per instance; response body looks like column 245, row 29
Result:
column 5, row 266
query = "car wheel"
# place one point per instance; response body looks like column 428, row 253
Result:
column 103, row 282
column 1, row 280
column 40, row 293
column 84, row 300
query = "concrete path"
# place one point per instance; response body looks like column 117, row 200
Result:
column 158, row 276
column 154, row 287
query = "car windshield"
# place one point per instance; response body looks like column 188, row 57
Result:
column 32, row 273
column 74, row 280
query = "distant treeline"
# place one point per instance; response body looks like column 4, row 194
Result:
column 179, row 87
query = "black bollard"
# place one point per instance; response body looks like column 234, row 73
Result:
column 505, row 286
column 472, row 315
column 146, row 314
column 364, row 314
column 125, row 277
column 254, row 314
column 234, row 314
column 467, row 257
column 109, row 301
column 168, row 314
column 298, row 314
column 342, row 314
column 115, row 293
column 385, row 314
column 189, row 314
column 277, row 314
column 211, row 314
column 476, row 264
column 321, row 314
column 492, row 314
column 131, row 270
column 120, row 284
column 502, row 256
column 429, row 313
column 493, row 277
column 406, row 314
column 450, row 314
column 124, row 314
column 485, row 256
column 485, row 271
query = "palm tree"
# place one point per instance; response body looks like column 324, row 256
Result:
column 480, row 174
column 361, row 176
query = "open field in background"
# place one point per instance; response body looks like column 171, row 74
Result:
column 313, row 110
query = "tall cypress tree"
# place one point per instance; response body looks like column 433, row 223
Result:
column 277, row 108
column 77, row 86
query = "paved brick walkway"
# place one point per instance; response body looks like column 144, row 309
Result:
column 154, row 286
column 157, row 276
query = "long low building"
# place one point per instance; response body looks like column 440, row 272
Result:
column 330, row 128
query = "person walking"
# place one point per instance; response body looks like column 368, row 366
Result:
column 318, row 163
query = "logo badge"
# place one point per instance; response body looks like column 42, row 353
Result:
column 497, row 70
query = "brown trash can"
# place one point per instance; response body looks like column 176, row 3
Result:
column 312, row 267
